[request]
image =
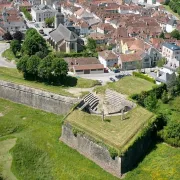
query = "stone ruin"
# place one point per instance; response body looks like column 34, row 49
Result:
column 111, row 103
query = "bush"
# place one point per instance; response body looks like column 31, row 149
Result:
column 113, row 152
column 164, row 97
column 156, row 90
column 27, row 14
column 171, row 133
column 140, row 75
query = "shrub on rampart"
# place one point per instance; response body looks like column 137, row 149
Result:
column 143, row 76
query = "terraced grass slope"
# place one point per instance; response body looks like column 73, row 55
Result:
column 12, row 75
column 128, row 85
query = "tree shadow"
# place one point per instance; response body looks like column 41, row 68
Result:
column 70, row 81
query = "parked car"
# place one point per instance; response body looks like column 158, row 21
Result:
column 41, row 31
column 112, row 79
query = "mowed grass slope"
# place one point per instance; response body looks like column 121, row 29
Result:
column 128, row 85
column 113, row 130
column 38, row 153
column 163, row 163
column 13, row 75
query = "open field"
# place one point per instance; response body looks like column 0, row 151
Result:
column 163, row 163
column 113, row 131
column 38, row 153
column 12, row 75
column 128, row 85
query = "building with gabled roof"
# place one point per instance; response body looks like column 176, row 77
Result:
column 62, row 39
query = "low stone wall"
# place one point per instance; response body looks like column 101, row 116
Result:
column 99, row 154
column 36, row 98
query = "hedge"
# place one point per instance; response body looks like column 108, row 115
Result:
column 157, row 90
column 140, row 75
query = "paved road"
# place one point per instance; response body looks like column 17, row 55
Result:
column 3, row 62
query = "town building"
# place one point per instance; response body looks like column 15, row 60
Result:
column 84, row 65
column 11, row 20
column 108, row 58
column 172, row 54
column 41, row 12
column 62, row 39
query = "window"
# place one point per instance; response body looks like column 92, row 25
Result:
column 93, row 69
column 79, row 70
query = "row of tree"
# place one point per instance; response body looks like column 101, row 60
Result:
column 33, row 44
column 49, row 69
column 18, row 35
column 174, row 5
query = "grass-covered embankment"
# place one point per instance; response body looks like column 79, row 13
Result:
column 13, row 75
column 38, row 153
column 128, row 85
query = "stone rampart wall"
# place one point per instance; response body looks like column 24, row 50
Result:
column 36, row 98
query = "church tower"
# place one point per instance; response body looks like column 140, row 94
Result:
column 59, row 18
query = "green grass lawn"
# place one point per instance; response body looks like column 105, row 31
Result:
column 128, row 85
column 12, row 75
column 38, row 153
column 163, row 163
column 8, row 54
column 114, row 131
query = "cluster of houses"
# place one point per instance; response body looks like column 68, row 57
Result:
column 131, row 28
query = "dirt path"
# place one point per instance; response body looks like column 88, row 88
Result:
column 6, row 158
column 78, row 92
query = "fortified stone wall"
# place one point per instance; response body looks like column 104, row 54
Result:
column 36, row 98
column 99, row 154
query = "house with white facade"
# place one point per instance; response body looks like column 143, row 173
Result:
column 41, row 12
column 172, row 54
column 108, row 58
column 12, row 21
column 171, row 25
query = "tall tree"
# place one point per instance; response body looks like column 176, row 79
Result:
column 7, row 36
column 15, row 46
column 45, row 69
column 60, row 69
column 162, row 35
column 32, row 66
column 18, row 35
column 22, row 65
column 175, row 34
column 34, row 43
column 49, row 21
column 150, row 102
column 91, row 45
